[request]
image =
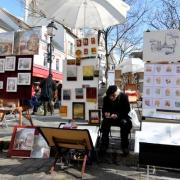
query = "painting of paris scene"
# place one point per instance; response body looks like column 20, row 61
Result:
column 161, row 46
column 24, row 63
column 6, row 43
column 24, row 139
column 27, row 42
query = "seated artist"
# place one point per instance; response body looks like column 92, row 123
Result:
column 115, row 112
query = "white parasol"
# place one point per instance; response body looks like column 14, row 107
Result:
column 98, row 14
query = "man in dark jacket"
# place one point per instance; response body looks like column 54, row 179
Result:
column 48, row 88
column 115, row 112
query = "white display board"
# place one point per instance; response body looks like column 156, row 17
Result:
column 86, row 61
column 161, row 91
column 157, row 133
column 160, row 46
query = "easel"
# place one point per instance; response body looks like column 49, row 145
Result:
column 69, row 139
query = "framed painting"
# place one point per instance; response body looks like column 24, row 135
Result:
column 78, row 110
column 85, row 41
column 93, row 40
column 24, row 63
column 78, row 42
column 26, row 141
column 71, row 73
column 24, row 78
column 6, row 43
column 63, row 111
column 2, row 64
column 79, row 93
column 94, row 116
column 27, row 42
column 66, row 94
column 88, row 72
column 22, row 141
column 1, row 84
column 11, row 84
column 10, row 63
column 71, row 61
column 91, row 94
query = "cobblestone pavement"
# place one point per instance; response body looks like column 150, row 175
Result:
column 26, row 169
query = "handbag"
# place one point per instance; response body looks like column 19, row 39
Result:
column 134, row 118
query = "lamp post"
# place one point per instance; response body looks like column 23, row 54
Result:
column 50, row 28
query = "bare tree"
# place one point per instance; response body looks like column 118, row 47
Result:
column 124, row 37
column 166, row 16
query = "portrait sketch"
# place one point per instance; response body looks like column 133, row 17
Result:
column 11, row 84
column 24, row 63
column 10, row 63
column 24, row 78
column 2, row 62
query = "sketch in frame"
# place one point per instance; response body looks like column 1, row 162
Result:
column 78, row 110
column 24, row 63
column 24, row 139
column 27, row 42
column 11, row 84
column 79, row 93
column 71, row 73
column 24, row 78
column 6, row 43
column 66, row 94
column 1, row 84
column 94, row 116
column 10, row 63
column 2, row 64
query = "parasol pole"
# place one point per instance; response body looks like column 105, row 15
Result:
column 85, row 6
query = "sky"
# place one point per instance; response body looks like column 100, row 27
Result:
column 15, row 7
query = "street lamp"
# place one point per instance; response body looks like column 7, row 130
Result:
column 50, row 28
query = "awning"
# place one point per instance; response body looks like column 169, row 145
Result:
column 42, row 72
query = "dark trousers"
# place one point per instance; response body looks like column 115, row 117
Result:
column 48, row 106
column 125, row 127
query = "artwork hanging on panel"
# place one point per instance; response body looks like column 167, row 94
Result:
column 94, row 117
column 88, row 72
column 85, row 41
column 66, row 94
column 11, row 84
column 24, row 78
column 91, row 94
column 78, row 110
column 1, row 84
column 93, row 40
column 71, row 62
column 63, row 111
column 79, row 93
column 96, row 73
column 6, row 43
column 24, row 63
column 78, row 61
column 78, row 42
column 10, row 63
column 2, row 64
column 93, row 51
column 71, row 72
column 27, row 42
